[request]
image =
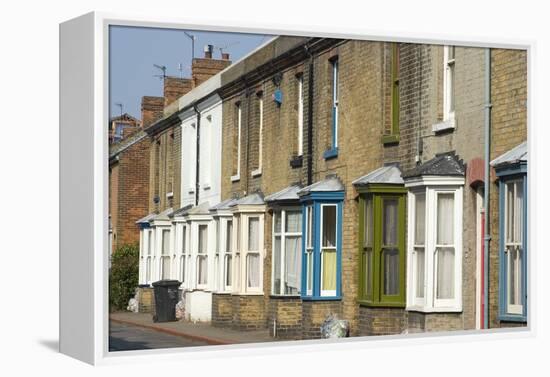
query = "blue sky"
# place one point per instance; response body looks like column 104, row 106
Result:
column 134, row 50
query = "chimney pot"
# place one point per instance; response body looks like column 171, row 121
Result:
column 208, row 51
column 225, row 56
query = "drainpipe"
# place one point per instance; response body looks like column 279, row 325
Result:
column 198, row 150
column 310, row 120
column 487, row 237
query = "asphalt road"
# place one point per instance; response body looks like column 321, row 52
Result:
column 124, row 337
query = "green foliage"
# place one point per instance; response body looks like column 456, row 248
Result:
column 123, row 276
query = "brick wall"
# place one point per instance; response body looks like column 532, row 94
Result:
column 222, row 310
column 284, row 317
column 314, row 314
column 248, row 313
column 175, row 87
column 381, row 321
column 204, row 68
column 508, row 129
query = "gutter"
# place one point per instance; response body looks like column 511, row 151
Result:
column 487, row 187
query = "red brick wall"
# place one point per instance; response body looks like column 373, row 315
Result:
column 175, row 87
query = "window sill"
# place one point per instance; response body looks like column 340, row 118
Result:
column 446, row 125
column 433, row 310
column 256, row 173
column 282, row 297
column 390, row 139
column 169, row 195
column 247, row 293
column 321, row 298
column 512, row 318
column 331, row 153
column 205, row 186
column 235, row 178
column 381, row 304
column 191, row 190
column 296, row 162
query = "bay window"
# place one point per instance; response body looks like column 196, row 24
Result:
column 435, row 248
column 202, row 256
column 165, row 254
column 184, row 255
column 248, row 241
column 511, row 170
column 287, row 255
column 228, row 265
column 382, row 237
column 322, row 244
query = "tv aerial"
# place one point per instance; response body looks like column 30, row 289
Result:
column 160, row 68
column 224, row 47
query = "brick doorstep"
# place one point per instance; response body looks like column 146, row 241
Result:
column 200, row 332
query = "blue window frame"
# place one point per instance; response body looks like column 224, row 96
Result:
column 513, row 243
column 322, row 245
column 333, row 151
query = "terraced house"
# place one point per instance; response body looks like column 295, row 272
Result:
column 322, row 176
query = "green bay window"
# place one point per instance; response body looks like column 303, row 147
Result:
column 382, row 239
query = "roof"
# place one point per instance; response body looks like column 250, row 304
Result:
column 390, row 174
column 163, row 215
column 226, row 204
column 181, row 211
column 146, row 219
column 444, row 164
column 252, row 199
column 201, row 209
column 289, row 193
column 515, row 155
column 124, row 116
column 127, row 142
column 330, row 183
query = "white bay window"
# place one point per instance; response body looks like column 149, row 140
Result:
column 435, row 247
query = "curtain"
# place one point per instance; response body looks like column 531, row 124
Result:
column 165, row 267
column 277, row 265
column 514, row 276
column 293, row 222
column 182, row 268
column 368, row 271
column 203, row 239
column 150, row 242
column 329, row 226
column 419, row 261
column 277, row 221
column 166, row 242
column 391, row 271
column 329, row 270
column 293, row 263
column 229, row 236
column 390, row 222
column 368, row 222
column 420, row 219
column 445, row 272
column 184, row 239
column 228, row 269
column 203, row 269
column 309, row 266
column 148, row 270
column 253, row 270
column 445, row 219
column 253, row 233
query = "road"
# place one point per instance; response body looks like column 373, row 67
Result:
column 123, row 337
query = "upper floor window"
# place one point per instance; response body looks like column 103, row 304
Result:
column 392, row 133
column 333, row 151
column 300, row 80
column 258, row 170
column 237, row 143
column 449, row 82
column 287, row 253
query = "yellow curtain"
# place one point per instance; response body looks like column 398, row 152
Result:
column 329, row 270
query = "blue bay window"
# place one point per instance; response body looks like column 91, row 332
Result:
column 322, row 242
column 511, row 170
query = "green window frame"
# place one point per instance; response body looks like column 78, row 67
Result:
column 393, row 136
column 382, row 252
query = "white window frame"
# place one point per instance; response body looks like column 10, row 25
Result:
column 430, row 303
column 237, row 176
column 310, row 250
column 184, row 257
column 283, row 234
column 227, row 255
column 331, row 292
column 199, row 255
column 300, row 115
column 449, row 78
column 335, row 93
column 241, row 252
column 513, row 309
column 258, row 172
column 162, row 254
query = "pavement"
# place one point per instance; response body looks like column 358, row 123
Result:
column 123, row 337
column 199, row 332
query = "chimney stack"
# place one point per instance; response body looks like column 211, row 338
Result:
column 225, row 56
column 208, row 49
column 151, row 110
column 175, row 87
